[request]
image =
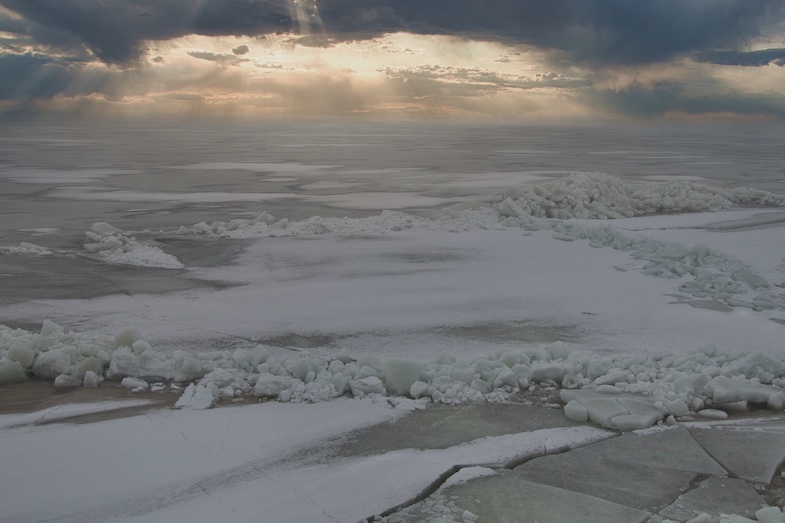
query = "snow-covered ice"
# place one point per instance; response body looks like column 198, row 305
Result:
column 651, row 299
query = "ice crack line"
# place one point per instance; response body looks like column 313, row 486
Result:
column 446, row 475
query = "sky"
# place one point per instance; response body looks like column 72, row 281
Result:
column 526, row 60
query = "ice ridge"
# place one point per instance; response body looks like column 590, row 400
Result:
column 622, row 392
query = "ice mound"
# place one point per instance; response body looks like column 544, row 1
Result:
column 115, row 247
column 602, row 196
column 25, row 248
column 581, row 195
column 621, row 392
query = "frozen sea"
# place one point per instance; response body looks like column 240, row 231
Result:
column 309, row 280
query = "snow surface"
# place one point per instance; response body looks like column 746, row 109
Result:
column 206, row 465
column 602, row 288
column 494, row 262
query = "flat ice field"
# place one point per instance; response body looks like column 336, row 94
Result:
column 287, row 339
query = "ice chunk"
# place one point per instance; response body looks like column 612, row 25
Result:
column 134, row 384
column 65, row 381
column 633, row 411
column 369, row 385
column 506, row 377
column 198, row 397
column 269, row 386
column 52, row 363
column 49, row 328
column 726, row 390
column 713, row 414
column 751, row 279
column 400, row 375
column 776, row 401
column 91, row 380
column 89, row 364
column 613, row 378
column 598, row 367
column 677, row 408
column 24, row 355
column 12, row 372
column 104, row 229
column 770, row 515
column 547, row 371
column 602, row 411
column 127, row 337
column 418, row 389
column 575, row 411
column 692, row 384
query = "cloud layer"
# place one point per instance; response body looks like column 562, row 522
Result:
column 590, row 31
column 630, row 57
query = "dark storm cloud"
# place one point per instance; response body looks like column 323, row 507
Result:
column 592, row 32
column 29, row 77
column 671, row 97
column 748, row 59
column 115, row 29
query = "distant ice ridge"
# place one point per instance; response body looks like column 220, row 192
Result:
column 580, row 195
column 26, row 248
column 708, row 275
column 115, row 247
column 622, row 392
column 602, row 196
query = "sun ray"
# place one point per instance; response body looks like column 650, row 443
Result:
column 306, row 14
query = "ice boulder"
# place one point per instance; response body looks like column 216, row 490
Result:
column 104, row 229
column 613, row 410
column 52, row 363
column 269, row 386
column 135, row 385
column 91, row 380
column 400, row 375
column 369, row 385
column 575, row 411
column 12, row 372
column 198, row 397
column 728, row 390
column 89, row 364
column 24, row 355
column 63, row 381
column 50, row 328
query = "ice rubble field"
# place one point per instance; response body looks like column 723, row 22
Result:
column 678, row 374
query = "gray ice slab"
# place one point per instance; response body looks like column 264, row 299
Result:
column 615, row 410
column 506, row 497
column 716, row 496
column 613, row 479
column 442, row 426
column 750, row 454
column 672, row 448
column 647, row 471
